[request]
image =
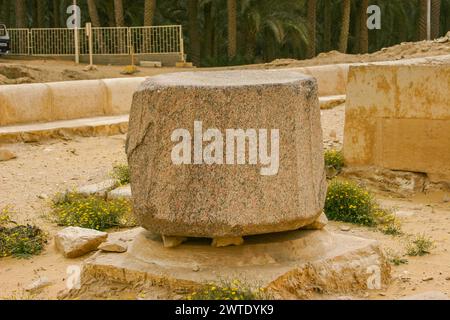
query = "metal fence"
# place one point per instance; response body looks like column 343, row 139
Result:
column 106, row 41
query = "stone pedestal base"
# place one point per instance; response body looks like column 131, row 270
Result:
column 291, row 265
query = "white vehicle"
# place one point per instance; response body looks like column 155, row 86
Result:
column 4, row 40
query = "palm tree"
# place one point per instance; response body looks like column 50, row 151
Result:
column 209, row 29
column 41, row 8
column 5, row 12
column 149, row 12
column 345, row 27
column 118, row 13
column 435, row 18
column 56, row 13
column 423, row 19
column 327, row 25
column 194, row 36
column 363, row 30
column 312, row 28
column 93, row 13
column 21, row 15
column 232, row 28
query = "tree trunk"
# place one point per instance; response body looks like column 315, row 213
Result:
column 93, row 13
column 423, row 19
column 56, row 13
column 41, row 9
column 327, row 26
column 149, row 12
column 232, row 29
column 435, row 18
column 345, row 27
column 194, row 37
column 118, row 13
column 312, row 15
column 21, row 17
column 363, row 30
column 209, row 30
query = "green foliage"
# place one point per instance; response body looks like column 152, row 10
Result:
column 92, row 212
column 419, row 245
column 227, row 291
column 348, row 202
column 20, row 241
column 121, row 173
column 334, row 159
column 395, row 258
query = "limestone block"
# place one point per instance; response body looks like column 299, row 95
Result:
column 397, row 117
column 24, row 103
column 6, row 155
column 120, row 94
column 74, row 242
column 113, row 246
column 209, row 194
column 100, row 188
column 78, row 99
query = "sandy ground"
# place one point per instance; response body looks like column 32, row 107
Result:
column 47, row 168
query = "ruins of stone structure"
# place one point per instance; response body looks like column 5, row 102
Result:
column 398, row 118
column 189, row 180
column 228, row 197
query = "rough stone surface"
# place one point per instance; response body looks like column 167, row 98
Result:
column 319, row 224
column 226, row 200
column 173, row 242
column 6, row 155
column 226, row 242
column 290, row 265
column 113, row 246
column 74, row 242
column 86, row 127
column 100, row 188
column 121, row 192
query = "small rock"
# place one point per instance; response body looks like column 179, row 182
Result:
column 430, row 295
column 446, row 199
column 196, row 268
column 38, row 284
column 113, row 246
column 98, row 188
column 345, row 228
column 43, row 196
column 427, row 279
column 74, row 242
column 227, row 241
column 319, row 224
column 121, row 192
column 447, row 279
column 6, row 155
column 172, row 242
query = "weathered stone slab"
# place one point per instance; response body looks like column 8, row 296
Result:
column 74, row 242
column 397, row 117
column 188, row 179
column 289, row 265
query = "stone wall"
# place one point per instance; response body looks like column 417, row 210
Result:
column 30, row 103
column 398, row 118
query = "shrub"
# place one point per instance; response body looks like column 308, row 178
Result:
column 348, row 202
column 395, row 258
column 92, row 212
column 21, row 241
column 419, row 245
column 334, row 159
column 121, row 173
column 228, row 291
